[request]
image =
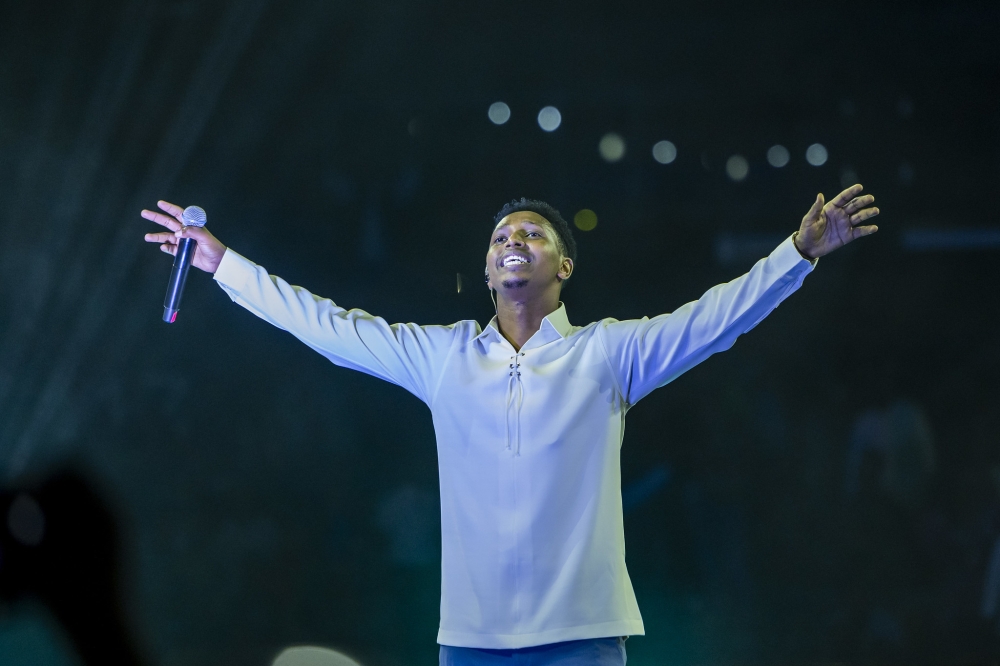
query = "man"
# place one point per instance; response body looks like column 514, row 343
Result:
column 529, row 416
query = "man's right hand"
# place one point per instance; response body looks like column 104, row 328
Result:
column 209, row 252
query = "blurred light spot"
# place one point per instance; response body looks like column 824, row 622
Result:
column 549, row 118
column 737, row 167
column 26, row 521
column 848, row 177
column 499, row 113
column 611, row 147
column 904, row 107
column 778, row 156
column 906, row 173
column 926, row 240
column 664, row 152
column 816, row 154
column 308, row 655
column 413, row 127
column 585, row 220
column 846, row 108
column 705, row 164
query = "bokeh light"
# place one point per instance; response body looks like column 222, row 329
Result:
column 778, row 156
column 737, row 167
column 664, row 152
column 585, row 220
column 549, row 118
column 611, row 147
column 816, row 154
column 499, row 113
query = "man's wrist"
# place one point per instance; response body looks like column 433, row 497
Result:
column 802, row 253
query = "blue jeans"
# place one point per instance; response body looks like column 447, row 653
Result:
column 589, row 652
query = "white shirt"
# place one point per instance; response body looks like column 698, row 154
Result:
column 533, row 548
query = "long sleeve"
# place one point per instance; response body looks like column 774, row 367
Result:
column 647, row 353
column 405, row 354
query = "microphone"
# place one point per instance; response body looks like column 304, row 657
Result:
column 193, row 216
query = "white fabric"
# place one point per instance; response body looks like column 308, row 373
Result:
column 528, row 442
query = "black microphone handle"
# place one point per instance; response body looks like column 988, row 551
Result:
column 178, row 276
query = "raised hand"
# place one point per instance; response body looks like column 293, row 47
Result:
column 828, row 226
column 209, row 252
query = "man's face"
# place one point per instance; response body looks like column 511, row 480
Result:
column 524, row 252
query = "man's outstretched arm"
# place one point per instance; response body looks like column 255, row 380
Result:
column 404, row 354
column 648, row 353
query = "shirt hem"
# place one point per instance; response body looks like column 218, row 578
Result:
column 515, row 641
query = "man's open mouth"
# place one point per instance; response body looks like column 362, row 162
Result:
column 514, row 259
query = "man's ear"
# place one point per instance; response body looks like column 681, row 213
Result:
column 565, row 269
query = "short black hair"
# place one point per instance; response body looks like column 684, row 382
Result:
column 565, row 234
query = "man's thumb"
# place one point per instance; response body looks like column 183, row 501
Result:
column 196, row 233
column 816, row 207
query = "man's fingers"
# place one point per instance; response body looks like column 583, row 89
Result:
column 857, row 203
column 865, row 231
column 173, row 209
column 169, row 249
column 847, row 195
column 161, row 237
column 196, row 233
column 863, row 215
column 161, row 219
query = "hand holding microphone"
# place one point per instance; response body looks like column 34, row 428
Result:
column 190, row 243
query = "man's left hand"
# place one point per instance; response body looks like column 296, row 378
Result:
column 828, row 226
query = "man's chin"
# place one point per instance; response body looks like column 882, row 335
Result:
column 515, row 283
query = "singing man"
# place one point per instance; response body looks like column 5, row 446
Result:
column 529, row 415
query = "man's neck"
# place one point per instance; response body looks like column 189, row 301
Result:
column 519, row 320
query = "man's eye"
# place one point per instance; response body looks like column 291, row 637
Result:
column 498, row 239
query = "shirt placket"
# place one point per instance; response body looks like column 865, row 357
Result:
column 512, row 405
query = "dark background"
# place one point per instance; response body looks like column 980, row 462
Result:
column 825, row 491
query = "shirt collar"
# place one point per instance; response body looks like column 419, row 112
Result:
column 554, row 326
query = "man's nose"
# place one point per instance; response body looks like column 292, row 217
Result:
column 515, row 241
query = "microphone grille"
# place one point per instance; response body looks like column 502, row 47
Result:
column 194, row 216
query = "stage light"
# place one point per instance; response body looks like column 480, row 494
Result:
column 585, row 220
column 664, row 152
column 737, row 167
column 549, row 118
column 499, row 113
column 611, row 147
column 778, row 156
column 816, row 154
column 309, row 655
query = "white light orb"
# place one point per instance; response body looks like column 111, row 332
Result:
column 664, row 152
column 499, row 113
column 611, row 147
column 549, row 118
column 778, row 156
column 816, row 154
column 737, row 167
